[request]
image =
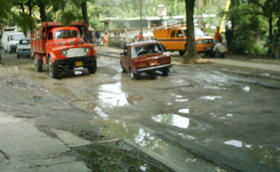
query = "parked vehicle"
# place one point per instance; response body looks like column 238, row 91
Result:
column 23, row 48
column 10, row 40
column 62, row 48
column 145, row 57
column 174, row 38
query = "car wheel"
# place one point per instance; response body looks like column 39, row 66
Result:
column 182, row 52
column 165, row 73
column 93, row 67
column 133, row 75
column 38, row 63
column 123, row 69
column 52, row 69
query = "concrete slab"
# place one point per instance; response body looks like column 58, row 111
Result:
column 22, row 138
column 70, row 139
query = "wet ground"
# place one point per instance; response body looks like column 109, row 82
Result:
column 199, row 118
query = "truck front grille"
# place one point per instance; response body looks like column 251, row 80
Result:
column 75, row 52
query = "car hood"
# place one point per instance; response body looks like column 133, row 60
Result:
column 203, row 37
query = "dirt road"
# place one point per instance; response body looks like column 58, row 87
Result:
column 196, row 119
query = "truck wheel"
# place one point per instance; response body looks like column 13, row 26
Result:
column 133, row 76
column 123, row 69
column 52, row 69
column 165, row 73
column 93, row 67
column 38, row 63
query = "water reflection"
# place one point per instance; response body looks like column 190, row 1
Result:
column 112, row 94
column 175, row 120
column 237, row 143
column 185, row 111
column 246, row 89
column 212, row 98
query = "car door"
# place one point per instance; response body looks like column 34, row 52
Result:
column 124, row 58
column 180, row 43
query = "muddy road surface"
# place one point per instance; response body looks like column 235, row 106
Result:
column 199, row 118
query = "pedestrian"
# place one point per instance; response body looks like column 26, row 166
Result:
column 140, row 36
column 220, row 50
column 98, row 37
column 229, row 35
column 218, row 37
column 106, row 39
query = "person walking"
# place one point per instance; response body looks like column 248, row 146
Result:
column 229, row 35
column 218, row 37
column 106, row 39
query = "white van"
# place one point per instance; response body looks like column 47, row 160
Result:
column 10, row 40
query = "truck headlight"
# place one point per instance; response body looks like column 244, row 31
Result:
column 64, row 52
column 86, row 50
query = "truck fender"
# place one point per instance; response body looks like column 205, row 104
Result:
column 51, row 55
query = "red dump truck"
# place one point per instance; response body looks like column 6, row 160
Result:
column 62, row 49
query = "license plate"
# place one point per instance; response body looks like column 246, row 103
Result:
column 79, row 63
column 153, row 62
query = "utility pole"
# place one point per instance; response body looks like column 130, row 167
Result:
column 141, row 20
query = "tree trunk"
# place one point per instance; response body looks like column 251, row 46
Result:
column 42, row 8
column 85, row 18
column 191, row 54
column 270, row 41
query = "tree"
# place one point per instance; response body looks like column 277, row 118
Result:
column 191, row 54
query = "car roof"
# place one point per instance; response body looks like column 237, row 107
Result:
column 138, row 43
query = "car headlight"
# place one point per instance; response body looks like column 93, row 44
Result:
column 86, row 50
column 64, row 52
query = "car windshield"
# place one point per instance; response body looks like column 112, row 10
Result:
column 197, row 32
column 16, row 37
column 61, row 34
column 24, row 42
column 146, row 49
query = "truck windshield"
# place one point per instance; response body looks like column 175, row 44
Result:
column 197, row 32
column 146, row 49
column 61, row 34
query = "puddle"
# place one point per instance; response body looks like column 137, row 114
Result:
column 84, row 104
column 211, row 98
column 117, row 157
column 112, row 94
column 185, row 111
column 175, row 120
column 268, row 154
column 237, row 143
column 246, row 89
column 101, row 113
column 182, row 100
column 178, row 159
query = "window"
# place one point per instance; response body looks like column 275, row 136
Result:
column 24, row 41
column 179, row 34
column 50, row 36
column 173, row 33
column 147, row 49
column 61, row 34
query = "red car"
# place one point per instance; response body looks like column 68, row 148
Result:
column 145, row 57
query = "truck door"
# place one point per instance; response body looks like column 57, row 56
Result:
column 172, row 40
column 181, row 41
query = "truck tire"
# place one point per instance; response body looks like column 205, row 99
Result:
column 93, row 67
column 52, row 70
column 165, row 72
column 38, row 63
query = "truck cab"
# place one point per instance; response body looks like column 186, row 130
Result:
column 175, row 39
column 62, row 49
